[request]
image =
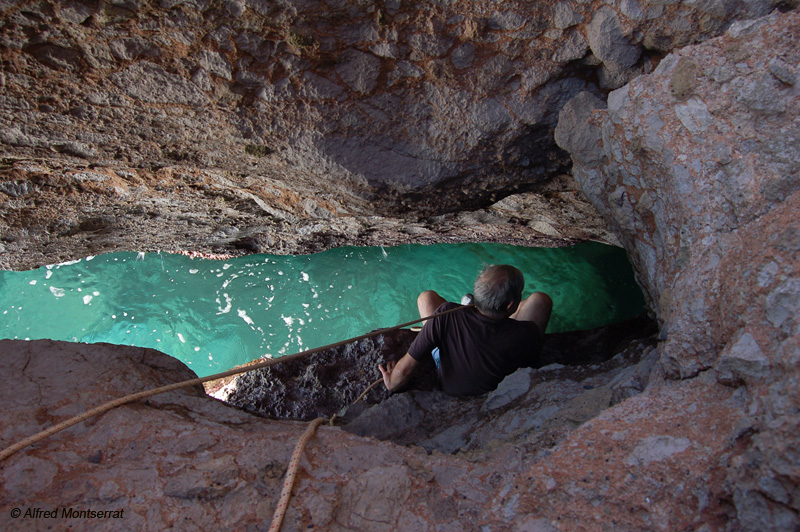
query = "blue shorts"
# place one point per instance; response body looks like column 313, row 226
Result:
column 435, row 354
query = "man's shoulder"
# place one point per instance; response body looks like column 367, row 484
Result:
column 454, row 317
column 447, row 305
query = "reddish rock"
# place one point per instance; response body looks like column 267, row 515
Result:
column 185, row 134
column 696, row 169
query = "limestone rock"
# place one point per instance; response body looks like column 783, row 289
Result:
column 656, row 448
column 608, row 42
column 199, row 81
column 150, row 83
column 182, row 456
column 130, row 48
column 743, row 361
column 165, row 460
column 565, row 16
column 360, row 71
column 511, row 388
column 709, row 250
column 541, row 405
column 575, row 133
column 297, row 126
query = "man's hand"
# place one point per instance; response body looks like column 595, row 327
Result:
column 397, row 374
column 386, row 371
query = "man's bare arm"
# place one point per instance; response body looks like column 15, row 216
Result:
column 397, row 374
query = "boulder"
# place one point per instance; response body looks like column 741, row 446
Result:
column 574, row 132
column 607, row 41
column 694, row 168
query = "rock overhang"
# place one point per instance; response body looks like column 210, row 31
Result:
column 396, row 110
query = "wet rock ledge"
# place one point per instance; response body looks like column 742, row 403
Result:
column 581, row 373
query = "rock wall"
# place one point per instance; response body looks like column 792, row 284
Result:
column 696, row 166
column 247, row 125
column 399, row 94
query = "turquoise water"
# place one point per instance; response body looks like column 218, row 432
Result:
column 214, row 315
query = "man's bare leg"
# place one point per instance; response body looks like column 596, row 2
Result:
column 427, row 303
column 536, row 308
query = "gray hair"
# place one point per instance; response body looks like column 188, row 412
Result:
column 496, row 287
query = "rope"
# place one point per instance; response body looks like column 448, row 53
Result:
column 371, row 386
column 291, row 473
column 11, row 449
column 294, row 462
column 360, row 397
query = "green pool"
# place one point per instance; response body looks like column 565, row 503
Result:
column 214, row 315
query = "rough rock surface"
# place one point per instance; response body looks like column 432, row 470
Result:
column 188, row 461
column 696, row 166
column 185, row 458
column 291, row 126
column 252, row 126
column 534, row 407
column 51, row 214
column 328, row 383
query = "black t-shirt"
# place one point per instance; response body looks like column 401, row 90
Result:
column 477, row 352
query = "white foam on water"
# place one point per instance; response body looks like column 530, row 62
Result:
column 58, row 292
column 227, row 307
column 242, row 314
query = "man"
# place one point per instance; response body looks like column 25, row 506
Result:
column 477, row 347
